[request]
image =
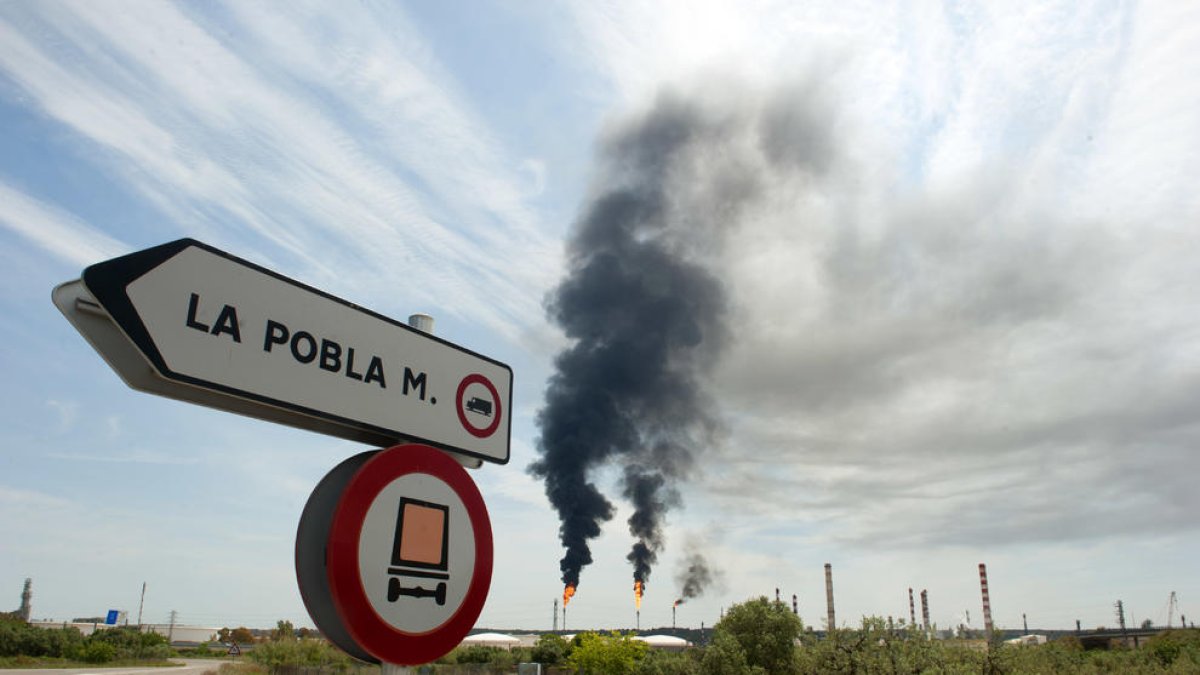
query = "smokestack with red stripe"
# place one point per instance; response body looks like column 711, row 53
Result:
column 987, row 603
column 925, row 607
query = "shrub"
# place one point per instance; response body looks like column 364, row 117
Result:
column 477, row 654
column 97, row 652
column 614, row 654
column 550, row 649
column 130, row 643
column 307, row 652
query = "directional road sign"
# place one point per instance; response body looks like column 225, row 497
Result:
column 191, row 322
column 409, row 555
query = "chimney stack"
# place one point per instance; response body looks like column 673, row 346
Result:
column 925, row 608
column 829, row 596
column 987, row 603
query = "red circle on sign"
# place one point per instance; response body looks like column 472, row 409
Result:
column 476, row 378
column 369, row 630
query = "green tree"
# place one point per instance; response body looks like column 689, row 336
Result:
column 550, row 649
column 724, row 656
column 765, row 631
column 284, row 630
column 614, row 654
column 241, row 635
column 662, row 662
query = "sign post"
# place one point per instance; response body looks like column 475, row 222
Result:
column 394, row 548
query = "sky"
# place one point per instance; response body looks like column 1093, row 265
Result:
column 951, row 250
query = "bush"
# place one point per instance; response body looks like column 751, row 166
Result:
column 550, row 649
column 277, row 654
column 614, row 654
column 657, row 662
column 477, row 654
column 130, row 643
column 18, row 638
column 1169, row 645
column 97, row 652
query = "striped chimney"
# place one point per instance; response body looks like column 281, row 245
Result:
column 925, row 607
column 987, row 603
column 829, row 595
column 912, row 609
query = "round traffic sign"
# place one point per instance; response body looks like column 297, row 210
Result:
column 312, row 536
column 478, row 405
column 409, row 558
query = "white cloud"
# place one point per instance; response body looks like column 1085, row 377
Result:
column 58, row 233
column 372, row 151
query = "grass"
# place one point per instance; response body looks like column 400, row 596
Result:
column 31, row 662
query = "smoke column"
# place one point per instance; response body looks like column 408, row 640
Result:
column 642, row 302
column 647, row 321
column 694, row 578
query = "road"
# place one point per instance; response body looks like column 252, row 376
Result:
column 190, row 667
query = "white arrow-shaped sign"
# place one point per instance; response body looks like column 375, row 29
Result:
column 197, row 324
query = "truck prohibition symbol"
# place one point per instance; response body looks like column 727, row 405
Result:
column 479, row 405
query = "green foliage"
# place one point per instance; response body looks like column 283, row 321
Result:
column 658, row 662
column 550, row 649
column 614, row 654
column 129, row 643
column 97, row 652
column 477, row 654
column 284, row 630
column 765, row 631
column 240, row 635
column 18, row 638
column 276, row 654
column 1169, row 646
column 724, row 656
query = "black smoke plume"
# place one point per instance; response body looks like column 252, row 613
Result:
column 694, row 578
column 646, row 319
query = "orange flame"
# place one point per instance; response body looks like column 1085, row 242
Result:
column 637, row 594
column 678, row 602
column 568, row 592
